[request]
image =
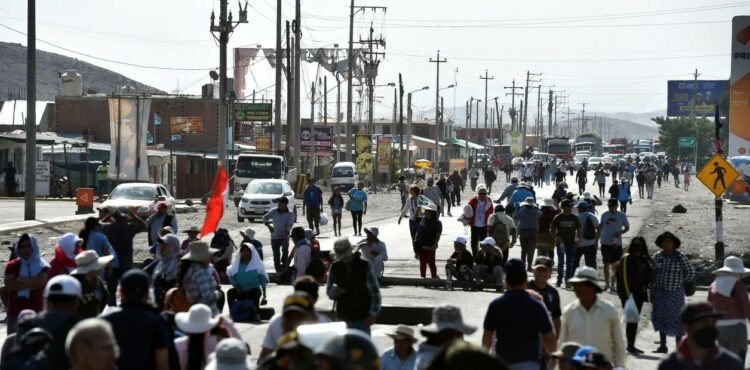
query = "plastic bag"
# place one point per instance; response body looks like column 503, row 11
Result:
column 323, row 219
column 630, row 311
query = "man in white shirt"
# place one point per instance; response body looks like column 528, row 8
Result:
column 592, row 321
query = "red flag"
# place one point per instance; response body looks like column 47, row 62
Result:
column 215, row 206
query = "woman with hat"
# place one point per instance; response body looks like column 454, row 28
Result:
column 633, row 274
column 203, row 332
column 94, row 295
column 527, row 217
column 427, row 238
column 195, row 277
column 248, row 277
column 192, row 234
column 402, row 355
column 66, row 250
column 672, row 270
column 373, row 250
column 164, row 275
column 728, row 294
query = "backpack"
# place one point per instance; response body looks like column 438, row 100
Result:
column 500, row 232
column 589, row 229
column 30, row 352
column 315, row 269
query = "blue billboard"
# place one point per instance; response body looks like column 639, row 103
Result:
column 684, row 96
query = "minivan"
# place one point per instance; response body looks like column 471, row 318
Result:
column 344, row 176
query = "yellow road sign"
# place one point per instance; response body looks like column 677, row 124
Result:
column 717, row 174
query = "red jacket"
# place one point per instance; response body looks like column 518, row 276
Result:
column 488, row 209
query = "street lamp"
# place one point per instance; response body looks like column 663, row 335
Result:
column 408, row 118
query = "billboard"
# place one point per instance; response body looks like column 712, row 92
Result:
column 739, row 97
column 515, row 139
column 384, row 154
column 186, row 126
column 363, row 154
column 682, row 95
column 246, row 112
column 263, row 143
column 321, row 141
column 128, row 127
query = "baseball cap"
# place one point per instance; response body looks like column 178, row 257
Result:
column 62, row 285
column 460, row 239
column 543, row 262
column 488, row 241
column 299, row 302
column 566, row 203
column 582, row 206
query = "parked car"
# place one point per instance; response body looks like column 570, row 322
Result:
column 517, row 162
column 261, row 196
column 344, row 176
column 594, row 162
column 607, row 161
column 579, row 160
column 140, row 197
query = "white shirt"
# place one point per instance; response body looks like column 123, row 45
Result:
column 598, row 327
column 275, row 330
column 410, row 208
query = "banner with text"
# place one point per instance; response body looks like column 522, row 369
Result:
column 739, row 98
column 320, row 139
column 703, row 95
column 385, row 153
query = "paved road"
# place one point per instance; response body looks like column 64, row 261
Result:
column 46, row 210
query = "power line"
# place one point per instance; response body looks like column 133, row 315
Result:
column 631, row 59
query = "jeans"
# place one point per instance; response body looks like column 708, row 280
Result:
column 280, row 250
column 112, row 281
column 589, row 254
column 313, row 217
column 650, row 191
column 640, row 190
column 446, row 198
column 528, row 246
column 565, row 256
column 360, row 325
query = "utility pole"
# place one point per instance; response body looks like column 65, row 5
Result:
column 567, row 115
column 499, row 113
column 290, row 134
column 477, row 121
column 350, row 68
column 550, row 106
column 486, row 79
column 29, row 211
column 401, row 122
column 371, row 72
column 277, row 90
column 526, row 106
column 225, row 27
column 437, row 61
column 442, row 123
column 297, row 26
column 584, row 127
column 311, row 154
column 692, row 117
column 512, row 110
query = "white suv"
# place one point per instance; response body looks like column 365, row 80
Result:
column 261, row 195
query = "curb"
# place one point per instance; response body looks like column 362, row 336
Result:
column 23, row 225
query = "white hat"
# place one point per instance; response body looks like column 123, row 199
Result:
column 88, row 261
column 489, row 241
column 586, row 195
column 447, row 317
column 481, row 187
column 248, row 233
column 530, row 201
column 63, row 285
column 197, row 320
column 197, row 252
column 732, row 266
column 548, row 202
column 230, row 354
column 429, row 207
column 460, row 239
column 585, row 274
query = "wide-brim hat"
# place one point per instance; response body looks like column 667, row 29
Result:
column 667, row 235
column 374, row 231
column 529, row 201
column 342, row 248
column 197, row 320
column 88, row 261
column 733, row 266
column 586, row 274
column 197, row 252
column 547, row 202
column 566, row 351
column 195, row 229
column 403, row 332
column 230, row 354
column 447, row 317
column 429, row 207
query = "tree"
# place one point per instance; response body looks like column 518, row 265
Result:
column 671, row 129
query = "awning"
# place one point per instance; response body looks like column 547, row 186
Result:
column 42, row 138
column 462, row 143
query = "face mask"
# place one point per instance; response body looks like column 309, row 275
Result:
column 706, row 337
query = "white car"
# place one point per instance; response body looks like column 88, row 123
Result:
column 140, row 197
column 261, row 195
column 594, row 162
column 607, row 161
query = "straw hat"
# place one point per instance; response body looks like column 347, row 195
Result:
column 197, row 320
column 197, row 252
column 403, row 332
column 88, row 261
column 732, row 266
column 586, row 274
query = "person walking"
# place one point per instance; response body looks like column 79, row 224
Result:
column 650, row 181
column 587, row 245
column 676, row 175
column 672, row 270
column 481, row 210
column 446, row 188
column 550, row 295
column 600, row 178
column 609, row 233
column 10, row 179
column 473, row 177
column 357, row 207
column 728, row 294
column 699, row 349
column 434, row 194
column 458, row 188
column 591, row 320
column 518, row 324
column 279, row 222
column 527, row 217
column 488, row 266
column 614, row 190
column 508, row 190
column 459, row 265
column 546, row 241
column 336, row 202
column 623, row 195
column 102, row 179
column 489, row 178
column 502, row 228
column 686, row 178
column 508, row 170
column 640, row 178
column 312, row 205
column 581, row 180
column 613, row 171
column 426, row 240
column 634, row 273
column 564, row 228
column 413, row 211
column 354, row 287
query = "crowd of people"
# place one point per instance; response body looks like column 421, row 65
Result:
column 92, row 307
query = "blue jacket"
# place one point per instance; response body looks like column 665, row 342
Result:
column 519, row 195
column 624, row 194
column 313, row 196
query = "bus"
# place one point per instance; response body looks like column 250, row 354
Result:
column 559, row 147
column 256, row 166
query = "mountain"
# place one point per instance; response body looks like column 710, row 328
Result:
column 629, row 129
column 639, row 118
column 48, row 68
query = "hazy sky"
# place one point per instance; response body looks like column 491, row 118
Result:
column 616, row 56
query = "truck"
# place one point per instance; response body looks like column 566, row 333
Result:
column 256, row 166
column 589, row 142
column 559, row 147
column 642, row 145
column 619, row 145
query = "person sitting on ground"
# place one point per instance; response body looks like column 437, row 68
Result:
column 249, row 279
column 402, row 355
column 62, row 298
column 373, row 251
column 91, row 345
column 192, row 234
column 203, row 332
column 164, row 274
column 146, row 342
column 460, row 264
column 194, row 276
column 302, row 252
column 64, row 261
column 306, row 284
column 25, row 277
column 488, row 266
column 447, row 326
column 248, row 236
column 94, row 294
